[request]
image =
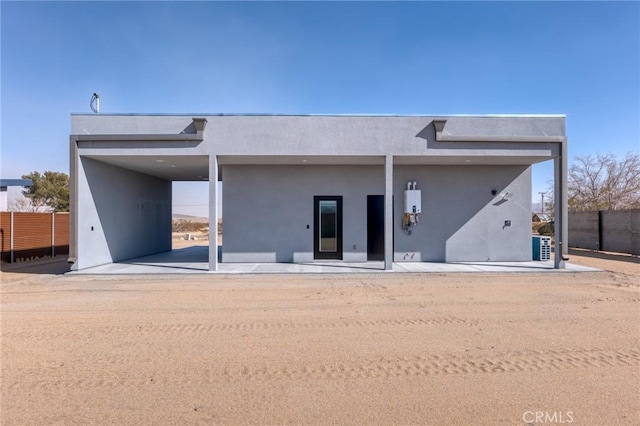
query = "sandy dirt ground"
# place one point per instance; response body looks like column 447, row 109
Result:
column 549, row 348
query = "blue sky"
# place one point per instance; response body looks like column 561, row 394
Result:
column 581, row 59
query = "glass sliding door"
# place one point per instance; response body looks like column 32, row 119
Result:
column 327, row 227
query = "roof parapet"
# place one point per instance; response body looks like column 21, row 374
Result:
column 442, row 136
column 198, row 124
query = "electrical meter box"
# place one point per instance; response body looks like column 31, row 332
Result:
column 412, row 201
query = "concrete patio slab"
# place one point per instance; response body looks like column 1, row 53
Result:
column 194, row 260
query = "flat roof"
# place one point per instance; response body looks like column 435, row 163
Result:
column 225, row 114
column 15, row 182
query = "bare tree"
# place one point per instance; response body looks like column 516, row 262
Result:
column 23, row 204
column 604, row 182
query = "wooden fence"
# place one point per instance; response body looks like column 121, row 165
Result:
column 26, row 236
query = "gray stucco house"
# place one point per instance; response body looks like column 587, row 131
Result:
column 300, row 188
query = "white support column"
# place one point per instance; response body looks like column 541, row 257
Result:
column 213, row 213
column 560, row 205
column 388, row 213
column 74, row 170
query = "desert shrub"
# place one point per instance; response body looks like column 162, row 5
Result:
column 546, row 229
column 183, row 225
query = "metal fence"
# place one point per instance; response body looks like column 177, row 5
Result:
column 25, row 236
column 608, row 230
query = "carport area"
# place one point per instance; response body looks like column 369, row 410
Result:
column 129, row 211
column 195, row 260
column 121, row 185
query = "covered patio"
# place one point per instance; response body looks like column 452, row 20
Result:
column 195, row 260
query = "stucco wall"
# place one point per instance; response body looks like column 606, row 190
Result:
column 130, row 214
column 620, row 230
column 266, row 210
column 583, row 230
column 461, row 220
column 335, row 135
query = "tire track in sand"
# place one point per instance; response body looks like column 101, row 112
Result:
column 202, row 328
column 381, row 368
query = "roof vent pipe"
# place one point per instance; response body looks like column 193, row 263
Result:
column 94, row 104
column 408, row 185
column 415, row 184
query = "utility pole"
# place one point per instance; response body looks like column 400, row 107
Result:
column 541, row 202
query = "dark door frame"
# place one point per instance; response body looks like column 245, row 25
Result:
column 317, row 254
column 393, row 235
column 375, row 227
